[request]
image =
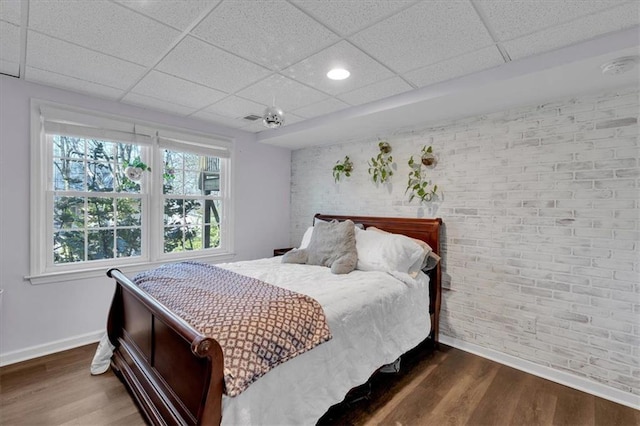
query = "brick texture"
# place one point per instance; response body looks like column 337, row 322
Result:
column 541, row 206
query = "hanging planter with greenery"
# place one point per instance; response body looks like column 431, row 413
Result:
column 380, row 167
column 134, row 169
column 342, row 168
column 419, row 185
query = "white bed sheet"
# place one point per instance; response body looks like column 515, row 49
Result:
column 374, row 318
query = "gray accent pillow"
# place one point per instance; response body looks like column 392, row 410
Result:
column 332, row 244
column 296, row 256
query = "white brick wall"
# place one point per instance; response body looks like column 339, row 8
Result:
column 541, row 211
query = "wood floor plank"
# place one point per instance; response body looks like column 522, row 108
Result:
column 500, row 400
column 445, row 387
column 574, row 408
column 411, row 407
column 609, row 413
column 537, row 404
column 459, row 403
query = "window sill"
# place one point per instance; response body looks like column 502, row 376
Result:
column 132, row 268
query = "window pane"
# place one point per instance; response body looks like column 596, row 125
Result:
column 68, row 175
column 172, row 239
column 68, row 212
column 68, row 147
column 100, row 212
column 100, row 177
column 191, row 161
column 211, row 236
column 100, row 244
column 173, row 211
column 68, row 246
column 193, row 238
column 192, row 183
column 190, row 174
column 129, row 242
column 128, row 212
column 98, row 150
column 128, row 152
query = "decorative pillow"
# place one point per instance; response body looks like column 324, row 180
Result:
column 381, row 251
column 428, row 251
column 296, row 256
column 306, row 238
column 332, row 244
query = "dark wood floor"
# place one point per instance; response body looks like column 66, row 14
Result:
column 446, row 387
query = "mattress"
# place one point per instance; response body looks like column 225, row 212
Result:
column 374, row 318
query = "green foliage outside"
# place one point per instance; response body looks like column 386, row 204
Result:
column 98, row 210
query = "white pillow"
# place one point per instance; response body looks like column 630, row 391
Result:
column 428, row 252
column 386, row 252
column 306, row 238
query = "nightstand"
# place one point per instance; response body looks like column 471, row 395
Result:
column 281, row 251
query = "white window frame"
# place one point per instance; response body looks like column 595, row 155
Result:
column 153, row 138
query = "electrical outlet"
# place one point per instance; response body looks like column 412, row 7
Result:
column 528, row 324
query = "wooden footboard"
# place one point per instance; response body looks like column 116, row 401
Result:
column 174, row 372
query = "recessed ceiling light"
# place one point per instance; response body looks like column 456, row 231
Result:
column 338, row 74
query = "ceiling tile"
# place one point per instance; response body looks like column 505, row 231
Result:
column 621, row 17
column 273, row 33
column 10, row 47
column 235, row 107
column 313, row 70
column 377, row 91
column 156, row 104
column 424, row 34
column 289, row 94
column 177, row 13
column 69, row 83
column 346, row 17
column 219, row 119
column 202, row 63
column 514, row 18
column 9, row 68
column 10, row 11
column 57, row 56
column 321, row 108
column 456, row 67
column 176, row 90
column 103, row 26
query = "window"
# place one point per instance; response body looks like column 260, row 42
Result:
column 108, row 192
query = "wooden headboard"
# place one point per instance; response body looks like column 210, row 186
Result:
column 427, row 230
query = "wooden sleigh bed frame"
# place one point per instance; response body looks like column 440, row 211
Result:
column 174, row 372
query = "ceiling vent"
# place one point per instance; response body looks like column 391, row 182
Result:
column 620, row 65
column 252, row 117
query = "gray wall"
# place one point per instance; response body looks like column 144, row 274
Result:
column 35, row 319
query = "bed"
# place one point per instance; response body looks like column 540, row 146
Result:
column 176, row 374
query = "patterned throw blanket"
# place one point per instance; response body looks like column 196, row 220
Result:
column 258, row 325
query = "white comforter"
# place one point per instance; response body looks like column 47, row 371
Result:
column 373, row 317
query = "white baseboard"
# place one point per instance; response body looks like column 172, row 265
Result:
column 573, row 381
column 49, row 348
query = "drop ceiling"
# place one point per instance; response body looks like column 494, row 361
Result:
column 220, row 61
